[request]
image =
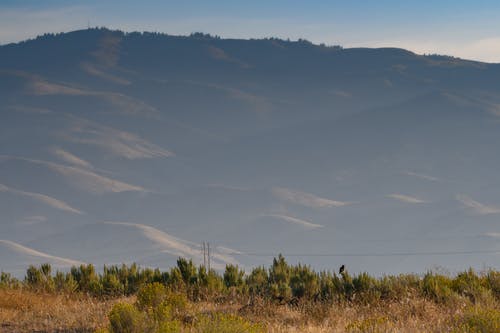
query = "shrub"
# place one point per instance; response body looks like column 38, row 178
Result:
column 7, row 281
column 65, row 283
column 478, row 320
column 233, row 276
column 366, row 288
column 327, row 288
column 468, row 284
column 493, row 282
column 87, row 279
column 437, row 287
column 150, row 296
column 397, row 287
column 125, row 318
column 40, row 278
column 279, row 279
column 111, row 286
column 188, row 271
column 304, row 282
column 178, row 304
column 257, row 281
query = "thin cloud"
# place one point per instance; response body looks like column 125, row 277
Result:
column 306, row 199
column 70, row 158
column 50, row 201
column 477, row 207
column 294, row 220
column 84, row 179
column 32, row 252
column 405, row 198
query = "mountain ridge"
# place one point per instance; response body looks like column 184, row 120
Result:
column 253, row 145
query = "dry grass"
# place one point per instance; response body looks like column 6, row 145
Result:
column 27, row 311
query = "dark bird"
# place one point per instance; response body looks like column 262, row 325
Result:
column 341, row 270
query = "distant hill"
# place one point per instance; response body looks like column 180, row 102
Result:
column 380, row 159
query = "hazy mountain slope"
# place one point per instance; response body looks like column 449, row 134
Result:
column 258, row 146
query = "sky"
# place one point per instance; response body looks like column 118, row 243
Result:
column 463, row 28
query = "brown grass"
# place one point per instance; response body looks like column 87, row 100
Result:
column 28, row 311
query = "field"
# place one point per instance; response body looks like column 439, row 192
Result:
column 233, row 302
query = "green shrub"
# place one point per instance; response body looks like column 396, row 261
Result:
column 469, row 284
column 233, row 276
column 347, row 286
column 478, row 320
column 175, row 279
column 304, row 282
column 87, row 279
column 111, row 286
column 398, row 287
column 125, row 318
column 65, row 283
column 493, row 282
column 40, row 278
column 7, row 281
column 279, row 279
column 365, row 287
column 257, row 281
column 188, row 271
column 437, row 287
column 178, row 304
column 150, row 296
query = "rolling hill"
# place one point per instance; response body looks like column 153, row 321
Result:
column 120, row 147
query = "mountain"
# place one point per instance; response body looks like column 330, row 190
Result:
column 120, row 147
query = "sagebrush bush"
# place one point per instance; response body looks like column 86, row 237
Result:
column 478, row 320
column 8, row 281
column 151, row 295
column 304, row 282
column 493, row 282
column 125, row 318
column 437, row 287
column 281, row 283
column 366, row 288
column 468, row 284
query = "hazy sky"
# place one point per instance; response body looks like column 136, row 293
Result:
column 464, row 28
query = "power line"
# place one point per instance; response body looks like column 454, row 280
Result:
column 389, row 254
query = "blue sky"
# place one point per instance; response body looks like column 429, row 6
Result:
column 469, row 29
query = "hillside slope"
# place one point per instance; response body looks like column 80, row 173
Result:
column 379, row 159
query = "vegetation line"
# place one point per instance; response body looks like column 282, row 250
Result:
column 189, row 298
